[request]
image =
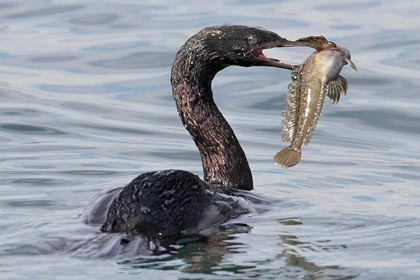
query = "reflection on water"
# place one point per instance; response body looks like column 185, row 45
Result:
column 85, row 105
column 194, row 254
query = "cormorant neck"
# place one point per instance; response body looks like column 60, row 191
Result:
column 224, row 161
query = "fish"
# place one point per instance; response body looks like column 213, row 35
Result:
column 318, row 77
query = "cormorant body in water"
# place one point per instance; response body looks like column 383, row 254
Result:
column 174, row 202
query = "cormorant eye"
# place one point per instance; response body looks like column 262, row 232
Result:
column 252, row 40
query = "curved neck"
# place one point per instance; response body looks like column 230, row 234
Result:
column 224, row 161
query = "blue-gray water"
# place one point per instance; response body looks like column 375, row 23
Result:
column 86, row 104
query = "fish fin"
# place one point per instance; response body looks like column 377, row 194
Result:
column 336, row 87
column 290, row 113
column 288, row 157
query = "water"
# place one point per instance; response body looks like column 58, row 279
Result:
column 85, row 105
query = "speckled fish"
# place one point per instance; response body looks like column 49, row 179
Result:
column 316, row 78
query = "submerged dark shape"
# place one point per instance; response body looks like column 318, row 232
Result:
column 174, row 202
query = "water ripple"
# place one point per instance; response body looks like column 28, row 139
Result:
column 29, row 129
column 138, row 60
column 96, row 19
column 46, row 11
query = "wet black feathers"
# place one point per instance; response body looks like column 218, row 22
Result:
column 162, row 203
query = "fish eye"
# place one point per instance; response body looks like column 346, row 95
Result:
column 252, row 39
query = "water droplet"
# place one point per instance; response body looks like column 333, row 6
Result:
column 145, row 210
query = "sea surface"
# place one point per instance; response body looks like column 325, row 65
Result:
column 86, row 105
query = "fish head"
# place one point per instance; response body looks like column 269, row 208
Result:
column 332, row 58
column 329, row 60
column 347, row 57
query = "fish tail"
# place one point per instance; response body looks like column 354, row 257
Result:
column 288, row 157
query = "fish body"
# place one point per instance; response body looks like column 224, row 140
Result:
column 316, row 78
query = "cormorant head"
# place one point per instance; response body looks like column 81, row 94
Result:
column 241, row 45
